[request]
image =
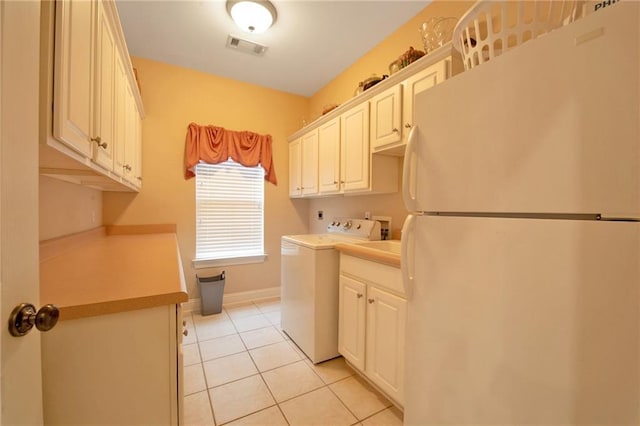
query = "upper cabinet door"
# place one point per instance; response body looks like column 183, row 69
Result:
column 74, row 66
column 295, row 169
column 418, row 83
column 386, row 118
column 106, row 72
column 329, row 157
column 354, row 169
column 310, row 163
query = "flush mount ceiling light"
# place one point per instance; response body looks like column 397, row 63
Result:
column 254, row 16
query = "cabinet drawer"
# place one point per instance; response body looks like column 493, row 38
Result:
column 384, row 276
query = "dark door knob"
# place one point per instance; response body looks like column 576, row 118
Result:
column 24, row 317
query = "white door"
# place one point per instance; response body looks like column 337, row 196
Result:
column 352, row 321
column 21, row 383
column 523, row 321
column 546, row 128
column 385, row 341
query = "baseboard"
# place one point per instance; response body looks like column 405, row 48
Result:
column 193, row 305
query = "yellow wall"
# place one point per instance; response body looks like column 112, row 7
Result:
column 174, row 97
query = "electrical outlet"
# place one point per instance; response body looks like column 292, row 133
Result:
column 320, row 215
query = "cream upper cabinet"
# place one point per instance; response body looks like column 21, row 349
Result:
column 354, row 148
column 106, row 72
column 295, row 168
column 386, row 118
column 303, row 165
column 360, row 142
column 74, row 71
column 329, row 157
column 121, row 100
column 86, row 74
column 417, row 83
column 310, row 163
column 132, row 148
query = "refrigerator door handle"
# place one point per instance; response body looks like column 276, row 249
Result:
column 407, row 245
column 409, row 171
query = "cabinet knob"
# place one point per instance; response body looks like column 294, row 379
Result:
column 395, row 130
column 407, row 125
column 184, row 323
column 127, row 167
column 185, row 332
column 371, row 300
column 359, row 295
column 24, row 317
column 98, row 140
column 335, row 182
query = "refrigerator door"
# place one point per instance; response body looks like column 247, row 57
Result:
column 552, row 126
column 522, row 321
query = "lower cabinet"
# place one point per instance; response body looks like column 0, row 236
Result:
column 372, row 322
column 123, row 368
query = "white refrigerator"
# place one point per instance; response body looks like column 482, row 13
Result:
column 521, row 258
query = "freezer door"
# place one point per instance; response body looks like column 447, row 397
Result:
column 549, row 127
column 521, row 321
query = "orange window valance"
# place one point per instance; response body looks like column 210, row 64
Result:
column 213, row 145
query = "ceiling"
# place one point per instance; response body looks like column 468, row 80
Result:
column 311, row 42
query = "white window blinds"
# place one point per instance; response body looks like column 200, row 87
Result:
column 229, row 211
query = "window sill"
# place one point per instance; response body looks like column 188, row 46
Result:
column 212, row 263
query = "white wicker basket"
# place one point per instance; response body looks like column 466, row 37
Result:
column 490, row 28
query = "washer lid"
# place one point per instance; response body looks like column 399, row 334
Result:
column 318, row 241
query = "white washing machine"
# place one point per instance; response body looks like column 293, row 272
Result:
column 309, row 292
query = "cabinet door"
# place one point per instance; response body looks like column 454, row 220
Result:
column 295, row 169
column 310, row 163
column 386, row 118
column 74, row 65
column 386, row 324
column 351, row 325
column 121, row 117
column 354, row 149
column 104, row 125
column 329, row 157
column 131, row 123
column 417, row 83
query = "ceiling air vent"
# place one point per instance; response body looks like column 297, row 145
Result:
column 246, row 46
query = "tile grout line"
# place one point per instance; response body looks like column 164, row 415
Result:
column 302, row 359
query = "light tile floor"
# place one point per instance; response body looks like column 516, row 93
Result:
column 241, row 369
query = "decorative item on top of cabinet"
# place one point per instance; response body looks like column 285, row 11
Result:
column 81, row 135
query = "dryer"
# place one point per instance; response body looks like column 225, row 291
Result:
column 309, row 291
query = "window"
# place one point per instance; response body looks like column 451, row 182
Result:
column 229, row 214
